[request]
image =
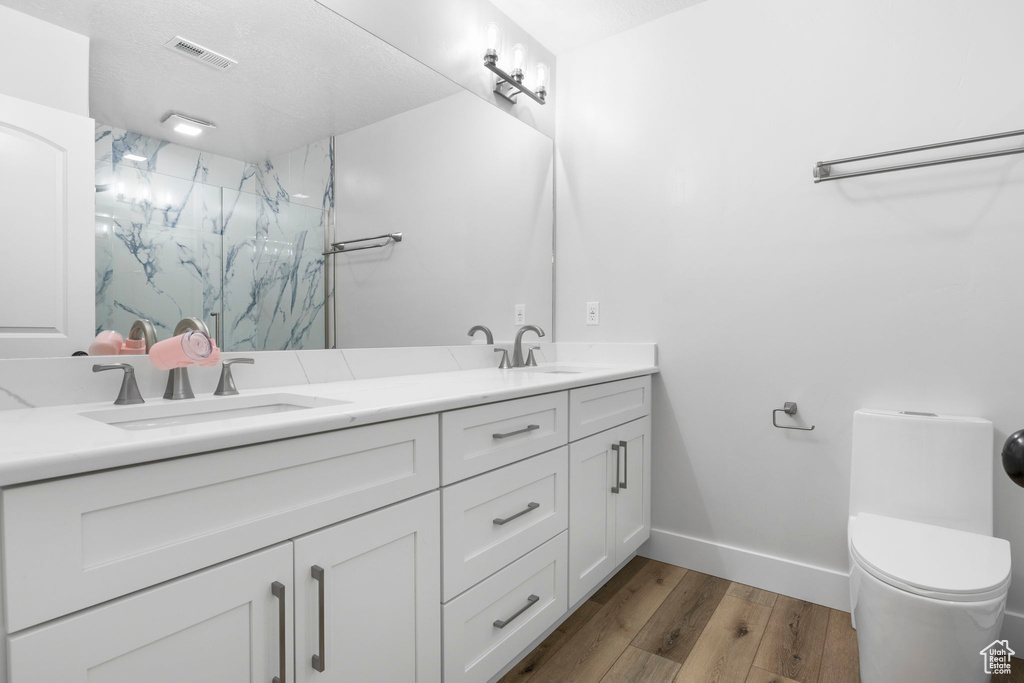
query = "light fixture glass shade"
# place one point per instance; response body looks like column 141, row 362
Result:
column 492, row 33
column 542, row 76
column 518, row 56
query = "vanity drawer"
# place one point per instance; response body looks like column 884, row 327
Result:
column 603, row 406
column 495, row 518
column 475, row 440
column 475, row 648
column 72, row 543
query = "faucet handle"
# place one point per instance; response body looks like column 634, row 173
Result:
column 129, row 393
column 530, row 360
column 504, row 364
column 226, row 385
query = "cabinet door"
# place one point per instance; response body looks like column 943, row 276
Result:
column 369, row 597
column 47, row 197
column 591, row 513
column 220, row 625
column 633, row 501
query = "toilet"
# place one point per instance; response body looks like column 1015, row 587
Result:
column 928, row 582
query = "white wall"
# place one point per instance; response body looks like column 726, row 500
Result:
column 471, row 190
column 44, row 63
column 685, row 205
column 448, row 36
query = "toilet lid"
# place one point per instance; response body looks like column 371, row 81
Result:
column 930, row 560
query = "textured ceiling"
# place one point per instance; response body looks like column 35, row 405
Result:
column 563, row 25
column 303, row 73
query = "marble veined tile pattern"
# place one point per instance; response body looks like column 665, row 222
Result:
column 185, row 233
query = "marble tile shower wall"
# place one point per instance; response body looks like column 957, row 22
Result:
column 186, row 233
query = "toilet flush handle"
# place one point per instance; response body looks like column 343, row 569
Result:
column 789, row 408
column 1013, row 457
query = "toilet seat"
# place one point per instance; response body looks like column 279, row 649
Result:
column 931, row 561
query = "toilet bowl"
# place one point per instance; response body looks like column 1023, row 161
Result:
column 925, row 599
column 928, row 582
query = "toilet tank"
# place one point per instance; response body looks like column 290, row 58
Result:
column 935, row 469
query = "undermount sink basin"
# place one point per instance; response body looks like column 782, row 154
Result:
column 192, row 411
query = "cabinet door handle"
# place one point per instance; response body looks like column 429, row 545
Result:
column 524, row 430
column 530, row 602
column 319, row 660
column 618, row 466
column 532, row 506
column 624, row 447
column 277, row 588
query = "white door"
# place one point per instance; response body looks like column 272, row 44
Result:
column 220, row 625
column 633, row 501
column 591, row 513
column 47, row 227
column 378, row 616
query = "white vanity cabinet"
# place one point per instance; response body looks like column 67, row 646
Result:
column 609, row 502
column 368, row 597
column 232, row 622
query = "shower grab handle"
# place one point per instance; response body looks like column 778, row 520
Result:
column 789, row 408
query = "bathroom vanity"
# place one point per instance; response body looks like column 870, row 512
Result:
column 358, row 535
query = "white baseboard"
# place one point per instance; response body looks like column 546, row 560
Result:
column 1013, row 630
column 776, row 574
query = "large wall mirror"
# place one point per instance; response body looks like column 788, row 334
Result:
column 321, row 137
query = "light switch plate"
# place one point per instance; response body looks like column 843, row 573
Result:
column 593, row 313
column 520, row 314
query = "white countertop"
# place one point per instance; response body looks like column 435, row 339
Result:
column 57, row 441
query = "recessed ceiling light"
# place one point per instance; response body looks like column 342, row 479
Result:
column 299, row 195
column 186, row 125
column 134, row 157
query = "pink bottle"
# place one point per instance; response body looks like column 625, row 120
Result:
column 186, row 349
column 107, row 343
column 134, row 347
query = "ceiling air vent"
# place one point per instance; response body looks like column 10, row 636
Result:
column 199, row 53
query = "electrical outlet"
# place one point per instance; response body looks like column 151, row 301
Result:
column 520, row 315
column 593, row 313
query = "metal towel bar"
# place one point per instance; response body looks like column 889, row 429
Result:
column 789, row 408
column 339, row 247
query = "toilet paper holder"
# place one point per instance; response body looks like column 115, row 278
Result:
column 789, row 408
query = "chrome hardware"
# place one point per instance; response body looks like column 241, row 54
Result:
column 524, row 430
column 789, row 408
column 530, row 602
column 487, row 333
column 218, row 327
column 178, row 384
column 823, row 169
column 317, row 572
column 509, row 86
column 531, row 362
column 504, row 364
column 618, row 465
column 529, row 508
column 624, row 447
column 226, row 385
column 143, row 329
column 277, row 588
column 517, row 350
column 340, row 247
column 129, row 393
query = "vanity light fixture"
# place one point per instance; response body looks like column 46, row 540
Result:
column 186, row 125
column 510, row 85
column 134, row 157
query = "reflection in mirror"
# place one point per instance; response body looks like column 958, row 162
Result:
column 320, row 133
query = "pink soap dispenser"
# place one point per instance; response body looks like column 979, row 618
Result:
column 191, row 348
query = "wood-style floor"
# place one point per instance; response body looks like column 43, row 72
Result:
column 657, row 623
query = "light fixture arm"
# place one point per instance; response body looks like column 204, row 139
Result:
column 510, row 85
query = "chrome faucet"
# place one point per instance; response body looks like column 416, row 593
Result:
column 178, row 384
column 143, row 329
column 487, row 333
column 517, row 351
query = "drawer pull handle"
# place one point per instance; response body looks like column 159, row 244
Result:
column 624, row 447
column 319, row 661
column 530, row 602
column 618, row 467
column 524, row 430
column 277, row 588
column 532, row 506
